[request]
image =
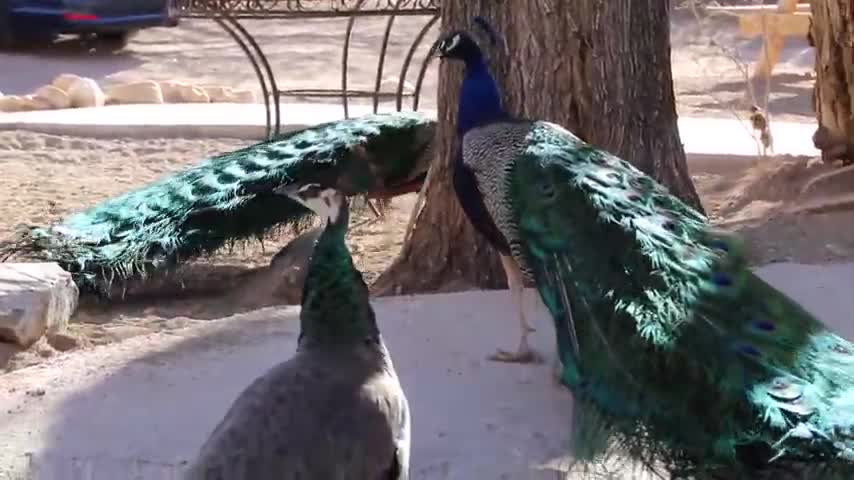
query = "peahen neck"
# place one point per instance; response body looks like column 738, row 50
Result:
column 480, row 101
column 335, row 303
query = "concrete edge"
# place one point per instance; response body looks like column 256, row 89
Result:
column 146, row 126
column 103, row 131
column 706, row 162
column 147, row 120
column 711, row 162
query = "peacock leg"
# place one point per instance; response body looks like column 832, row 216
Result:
column 524, row 354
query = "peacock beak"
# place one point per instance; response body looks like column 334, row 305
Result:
column 435, row 51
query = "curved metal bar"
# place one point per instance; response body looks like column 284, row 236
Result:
column 226, row 13
column 421, row 74
column 383, row 50
column 345, row 57
column 302, row 8
column 405, row 68
column 220, row 20
column 327, row 92
column 272, row 77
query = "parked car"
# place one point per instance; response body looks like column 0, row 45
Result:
column 111, row 20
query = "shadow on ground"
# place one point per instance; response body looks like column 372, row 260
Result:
column 34, row 65
column 473, row 418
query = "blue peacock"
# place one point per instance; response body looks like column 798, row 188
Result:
column 231, row 197
column 677, row 355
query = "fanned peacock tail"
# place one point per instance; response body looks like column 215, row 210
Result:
column 672, row 347
column 231, row 197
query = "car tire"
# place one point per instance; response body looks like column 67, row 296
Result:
column 172, row 17
column 7, row 38
column 116, row 40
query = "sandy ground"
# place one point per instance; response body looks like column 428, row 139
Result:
column 140, row 408
column 191, row 376
column 306, row 54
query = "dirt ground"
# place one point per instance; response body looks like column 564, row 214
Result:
column 47, row 177
column 708, row 58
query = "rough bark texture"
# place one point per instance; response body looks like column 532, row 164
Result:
column 599, row 67
column 832, row 34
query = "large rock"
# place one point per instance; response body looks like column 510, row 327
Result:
column 64, row 81
column 283, row 280
column 25, row 103
column 137, row 92
column 290, row 265
column 86, row 93
column 35, row 298
column 17, row 103
column 181, row 92
column 219, row 93
column 55, row 97
column 241, row 96
column 10, row 103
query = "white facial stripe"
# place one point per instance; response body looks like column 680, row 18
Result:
column 325, row 204
column 452, row 43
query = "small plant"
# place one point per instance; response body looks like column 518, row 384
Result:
column 757, row 121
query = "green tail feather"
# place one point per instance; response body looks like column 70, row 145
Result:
column 684, row 357
column 231, row 197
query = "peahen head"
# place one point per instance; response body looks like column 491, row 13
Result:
column 327, row 202
column 480, row 100
column 335, row 304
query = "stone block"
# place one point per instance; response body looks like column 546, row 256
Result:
column 131, row 93
column 35, row 298
column 54, row 97
column 64, row 81
column 85, row 93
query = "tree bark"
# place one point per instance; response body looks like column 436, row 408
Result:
column 832, row 34
column 598, row 67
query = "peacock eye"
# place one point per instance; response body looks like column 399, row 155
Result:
column 547, row 191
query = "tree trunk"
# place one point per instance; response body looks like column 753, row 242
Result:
column 598, row 67
column 832, row 34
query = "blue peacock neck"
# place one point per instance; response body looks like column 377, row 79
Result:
column 480, row 100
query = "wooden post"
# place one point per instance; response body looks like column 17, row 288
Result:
column 774, row 41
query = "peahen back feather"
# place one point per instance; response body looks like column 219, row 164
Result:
column 672, row 347
column 231, row 197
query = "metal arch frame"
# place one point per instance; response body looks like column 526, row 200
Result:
column 242, row 37
column 227, row 12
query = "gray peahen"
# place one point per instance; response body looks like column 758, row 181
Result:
column 677, row 355
column 230, row 197
column 336, row 410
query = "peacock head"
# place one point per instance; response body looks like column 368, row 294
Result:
column 460, row 45
column 457, row 45
column 326, row 202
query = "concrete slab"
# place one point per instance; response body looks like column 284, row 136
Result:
column 723, row 136
column 701, row 136
column 35, row 298
column 140, row 408
column 191, row 120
